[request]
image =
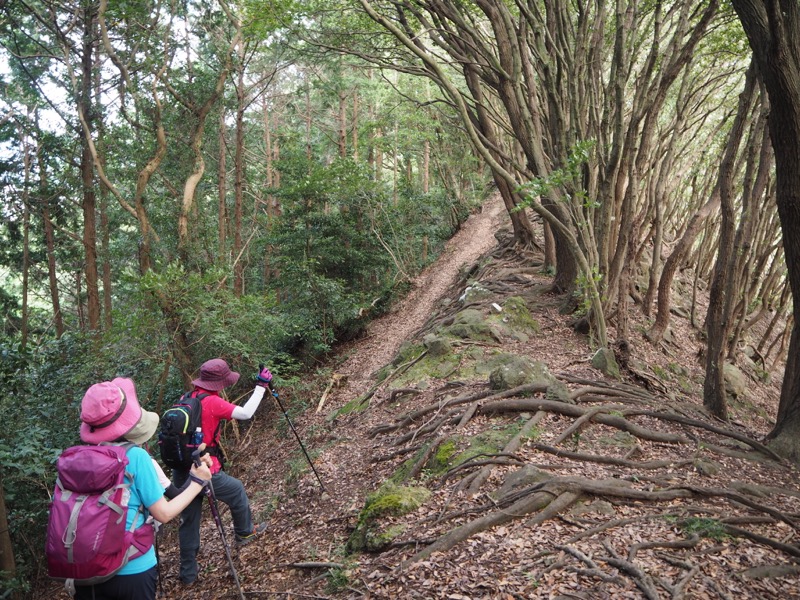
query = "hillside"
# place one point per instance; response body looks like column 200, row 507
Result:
column 516, row 468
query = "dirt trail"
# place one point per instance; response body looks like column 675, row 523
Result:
column 386, row 334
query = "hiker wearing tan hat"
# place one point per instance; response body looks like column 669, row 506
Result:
column 110, row 413
column 214, row 376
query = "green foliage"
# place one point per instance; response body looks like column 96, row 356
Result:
column 583, row 290
column 340, row 245
column 338, row 580
column 567, row 178
column 38, row 410
column 705, row 528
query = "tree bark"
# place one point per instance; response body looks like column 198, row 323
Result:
column 222, row 191
column 719, row 304
column 89, row 203
column 55, row 301
column 26, row 222
column 672, row 263
column 773, row 30
column 239, row 178
column 7, row 563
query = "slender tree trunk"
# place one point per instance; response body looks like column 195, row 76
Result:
column 222, row 191
column 268, row 179
column 239, row 182
column 377, row 144
column 8, row 565
column 89, row 203
column 26, row 256
column 106, row 262
column 308, row 123
column 200, row 113
column 719, row 304
column 49, row 237
column 79, row 304
column 426, row 166
column 672, row 263
column 105, row 247
column 355, row 125
column 342, row 124
column 549, row 248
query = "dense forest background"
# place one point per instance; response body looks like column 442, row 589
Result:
column 256, row 180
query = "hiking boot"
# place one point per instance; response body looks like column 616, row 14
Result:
column 246, row 539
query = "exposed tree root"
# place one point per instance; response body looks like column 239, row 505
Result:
column 655, row 481
column 553, row 497
column 474, row 482
column 543, row 501
column 611, row 460
column 642, row 579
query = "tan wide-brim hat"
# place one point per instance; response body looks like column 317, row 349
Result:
column 144, row 429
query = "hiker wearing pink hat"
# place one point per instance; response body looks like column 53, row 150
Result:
column 110, row 413
column 214, row 375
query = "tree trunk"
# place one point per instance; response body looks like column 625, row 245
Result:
column 87, row 178
column 239, row 180
column 26, row 221
column 549, row 249
column 673, row 262
column 355, row 125
column 222, row 192
column 49, row 237
column 773, row 30
column 426, row 166
column 200, row 112
column 719, row 304
column 105, row 247
column 377, row 143
column 342, row 124
column 8, row 565
column 308, row 122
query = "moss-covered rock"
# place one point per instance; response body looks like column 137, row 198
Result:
column 559, row 392
column 520, row 478
column 440, row 461
column 516, row 314
column 604, row 361
column 389, row 500
column 475, row 292
column 488, row 442
column 735, row 381
column 436, row 345
column 406, row 353
column 469, row 324
column 510, row 370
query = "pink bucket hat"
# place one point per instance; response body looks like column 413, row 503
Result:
column 109, row 410
column 215, row 374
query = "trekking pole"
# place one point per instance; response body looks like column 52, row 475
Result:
column 208, row 490
column 299, row 441
column 158, row 563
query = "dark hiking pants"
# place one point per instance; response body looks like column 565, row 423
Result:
column 227, row 489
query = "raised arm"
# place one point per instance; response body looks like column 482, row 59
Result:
column 247, row 410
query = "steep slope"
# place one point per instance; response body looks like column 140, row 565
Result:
column 472, row 450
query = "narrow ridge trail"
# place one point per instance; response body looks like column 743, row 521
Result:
column 386, row 334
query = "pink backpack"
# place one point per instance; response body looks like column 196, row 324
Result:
column 86, row 535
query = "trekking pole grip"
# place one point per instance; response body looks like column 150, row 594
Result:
column 201, row 450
